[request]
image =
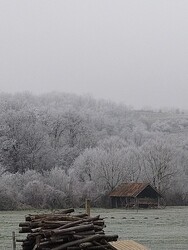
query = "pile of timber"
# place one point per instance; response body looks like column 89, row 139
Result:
column 63, row 230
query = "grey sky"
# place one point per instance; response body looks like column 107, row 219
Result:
column 133, row 51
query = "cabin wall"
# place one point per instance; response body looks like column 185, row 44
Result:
column 122, row 202
column 131, row 202
column 147, row 202
column 149, row 193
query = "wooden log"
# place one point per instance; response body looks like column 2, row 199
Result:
column 100, row 232
column 36, row 230
column 27, row 243
column 56, row 222
column 25, row 230
column 53, row 224
column 70, row 224
column 110, row 237
column 21, row 240
column 37, row 242
column 91, row 219
column 58, row 232
column 66, row 211
column 98, row 244
column 73, row 248
column 98, row 247
column 62, row 218
column 59, row 237
column 35, row 224
column 78, row 236
column 108, row 244
column 77, row 242
column 89, row 248
column 27, row 248
column 50, row 226
column 90, row 232
column 98, row 228
column 43, row 233
column 85, row 245
column 25, row 224
column 76, row 229
column 47, row 243
column 81, row 215
column 42, row 217
column 99, row 222
column 38, row 239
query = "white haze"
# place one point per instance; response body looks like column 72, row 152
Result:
column 133, row 51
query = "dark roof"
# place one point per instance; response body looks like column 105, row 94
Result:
column 130, row 189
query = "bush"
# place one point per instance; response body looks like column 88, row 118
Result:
column 7, row 201
column 53, row 198
column 39, row 195
column 33, row 194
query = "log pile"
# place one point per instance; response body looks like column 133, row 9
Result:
column 63, row 230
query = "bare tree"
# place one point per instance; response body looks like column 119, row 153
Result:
column 160, row 162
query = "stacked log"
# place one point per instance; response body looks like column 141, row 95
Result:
column 63, row 230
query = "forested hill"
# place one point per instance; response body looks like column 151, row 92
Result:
column 58, row 149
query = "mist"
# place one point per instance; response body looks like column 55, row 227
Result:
column 131, row 52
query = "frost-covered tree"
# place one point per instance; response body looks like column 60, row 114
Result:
column 104, row 166
column 160, row 162
column 133, row 164
column 23, row 142
column 74, row 147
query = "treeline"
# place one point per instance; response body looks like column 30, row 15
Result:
column 58, row 149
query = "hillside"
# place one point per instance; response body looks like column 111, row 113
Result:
column 70, row 147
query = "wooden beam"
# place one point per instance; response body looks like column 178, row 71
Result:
column 13, row 241
column 88, row 207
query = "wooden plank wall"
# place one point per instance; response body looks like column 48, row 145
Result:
column 128, row 245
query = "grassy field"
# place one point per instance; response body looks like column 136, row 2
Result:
column 157, row 229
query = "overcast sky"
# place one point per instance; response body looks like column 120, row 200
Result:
column 130, row 51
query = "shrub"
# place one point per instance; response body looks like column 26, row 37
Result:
column 7, row 201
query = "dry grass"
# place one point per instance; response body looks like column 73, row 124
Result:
column 157, row 229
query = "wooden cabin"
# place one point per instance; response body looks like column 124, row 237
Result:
column 138, row 195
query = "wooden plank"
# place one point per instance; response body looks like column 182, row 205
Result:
column 128, row 245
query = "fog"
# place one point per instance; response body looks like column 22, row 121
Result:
column 133, row 52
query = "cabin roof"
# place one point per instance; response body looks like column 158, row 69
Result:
column 130, row 190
